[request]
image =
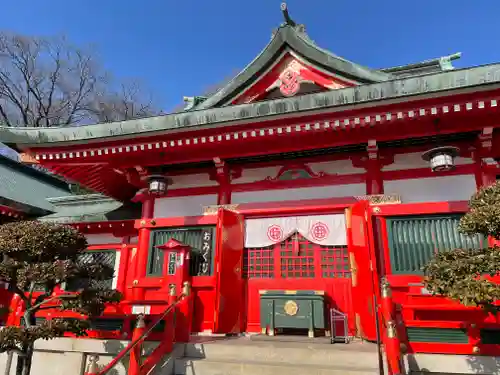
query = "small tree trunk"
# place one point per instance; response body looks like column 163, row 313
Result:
column 27, row 360
column 23, row 366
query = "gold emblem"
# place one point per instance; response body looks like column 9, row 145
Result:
column 291, row 308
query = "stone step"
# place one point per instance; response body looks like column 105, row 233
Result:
column 196, row 366
column 285, row 353
column 244, row 349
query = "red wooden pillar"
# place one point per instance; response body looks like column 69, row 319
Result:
column 141, row 257
column 485, row 172
column 223, row 176
column 486, row 168
column 390, row 335
column 373, row 163
column 135, row 354
column 374, row 179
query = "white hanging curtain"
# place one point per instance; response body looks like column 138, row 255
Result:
column 326, row 230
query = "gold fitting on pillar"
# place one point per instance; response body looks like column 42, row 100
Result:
column 93, row 367
column 186, row 288
column 391, row 329
column 476, row 350
column 152, row 222
column 385, row 289
column 143, row 223
column 172, row 290
column 140, row 323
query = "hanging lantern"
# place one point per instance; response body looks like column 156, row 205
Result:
column 441, row 159
column 157, row 184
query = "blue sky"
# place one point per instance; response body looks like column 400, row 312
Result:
column 179, row 48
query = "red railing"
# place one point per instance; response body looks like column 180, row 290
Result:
column 390, row 337
column 141, row 334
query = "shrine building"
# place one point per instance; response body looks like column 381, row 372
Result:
column 297, row 187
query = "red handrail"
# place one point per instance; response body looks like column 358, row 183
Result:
column 390, row 336
column 133, row 344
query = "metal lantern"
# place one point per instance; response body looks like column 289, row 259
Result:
column 157, row 184
column 441, row 159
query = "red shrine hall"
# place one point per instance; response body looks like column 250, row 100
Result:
column 294, row 190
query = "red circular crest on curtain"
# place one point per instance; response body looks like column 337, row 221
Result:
column 319, row 231
column 275, row 233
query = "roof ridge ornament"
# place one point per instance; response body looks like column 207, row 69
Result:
column 286, row 15
column 192, row 101
column 300, row 28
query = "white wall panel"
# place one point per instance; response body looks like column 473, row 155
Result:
column 256, row 174
column 336, row 167
column 191, row 180
column 414, row 161
column 432, row 189
column 297, row 194
column 183, row 206
column 339, row 167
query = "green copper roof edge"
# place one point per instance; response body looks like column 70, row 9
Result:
column 96, row 218
column 288, row 36
column 39, row 176
column 354, row 71
column 426, row 63
column 400, row 88
column 80, row 199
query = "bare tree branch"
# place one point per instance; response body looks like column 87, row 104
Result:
column 48, row 82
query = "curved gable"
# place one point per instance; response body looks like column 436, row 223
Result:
column 292, row 40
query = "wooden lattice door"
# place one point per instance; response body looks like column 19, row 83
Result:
column 297, row 258
column 299, row 264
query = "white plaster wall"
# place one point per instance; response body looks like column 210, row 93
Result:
column 339, row 167
column 191, row 180
column 414, row 161
column 296, row 194
column 432, row 189
column 183, row 206
column 256, row 174
column 102, row 239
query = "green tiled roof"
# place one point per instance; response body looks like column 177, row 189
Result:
column 90, row 208
column 399, row 89
column 27, row 188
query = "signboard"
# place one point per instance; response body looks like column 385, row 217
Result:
column 172, row 263
column 206, row 252
column 138, row 309
column 378, row 199
column 212, row 210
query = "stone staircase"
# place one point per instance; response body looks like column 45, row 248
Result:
column 244, row 356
